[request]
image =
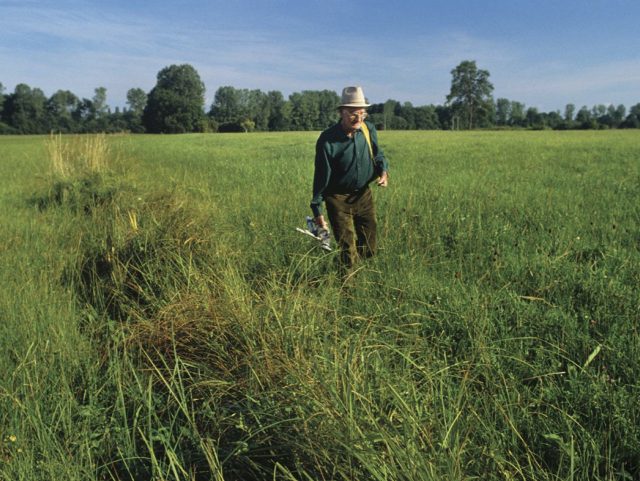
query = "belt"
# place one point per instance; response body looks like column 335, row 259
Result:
column 351, row 192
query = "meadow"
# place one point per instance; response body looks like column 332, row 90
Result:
column 160, row 318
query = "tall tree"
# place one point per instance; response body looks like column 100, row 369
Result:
column 408, row 112
column 101, row 111
column 445, row 116
column 241, row 109
column 426, row 118
column 503, row 111
column 176, row 103
column 470, row 95
column 553, row 120
column 278, row 115
column 599, row 110
column 328, row 101
column 313, row 109
column 517, row 114
column 60, row 108
column 618, row 113
column 100, row 101
column 226, row 106
column 632, row 121
column 257, row 107
column 85, row 115
column 569, row 112
column 393, row 115
column 25, row 110
column 534, row 119
column 304, row 110
column 137, row 101
column 389, row 112
column 584, row 119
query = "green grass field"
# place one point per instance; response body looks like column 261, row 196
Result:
column 160, row 318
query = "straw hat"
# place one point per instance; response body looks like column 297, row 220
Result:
column 353, row 97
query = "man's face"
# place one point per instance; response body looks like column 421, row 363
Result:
column 351, row 118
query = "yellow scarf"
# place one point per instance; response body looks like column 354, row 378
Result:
column 367, row 136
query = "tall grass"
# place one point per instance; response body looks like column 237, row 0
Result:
column 78, row 155
column 163, row 321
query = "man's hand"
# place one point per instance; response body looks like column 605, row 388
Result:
column 383, row 180
column 320, row 222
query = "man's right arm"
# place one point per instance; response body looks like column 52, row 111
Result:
column 321, row 176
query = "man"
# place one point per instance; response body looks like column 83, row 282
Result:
column 348, row 158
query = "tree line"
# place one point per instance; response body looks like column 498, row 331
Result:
column 176, row 104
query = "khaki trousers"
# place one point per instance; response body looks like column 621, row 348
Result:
column 353, row 221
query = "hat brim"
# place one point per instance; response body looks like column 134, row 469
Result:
column 362, row 106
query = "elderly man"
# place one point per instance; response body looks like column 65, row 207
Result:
column 348, row 159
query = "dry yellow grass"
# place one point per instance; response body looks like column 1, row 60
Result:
column 78, row 154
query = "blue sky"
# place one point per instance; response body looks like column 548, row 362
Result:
column 543, row 53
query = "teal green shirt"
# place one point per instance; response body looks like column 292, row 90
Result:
column 343, row 164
